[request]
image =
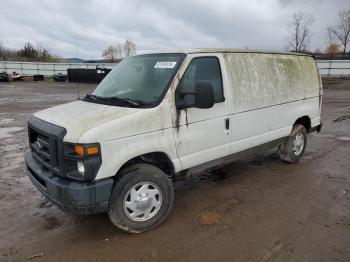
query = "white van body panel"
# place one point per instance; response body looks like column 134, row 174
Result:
column 265, row 93
column 257, row 127
column 269, row 93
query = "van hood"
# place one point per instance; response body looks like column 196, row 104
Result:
column 79, row 116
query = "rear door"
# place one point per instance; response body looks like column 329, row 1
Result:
column 204, row 134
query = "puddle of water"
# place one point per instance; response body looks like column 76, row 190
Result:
column 344, row 138
column 5, row 121
column 341, row 118
column 11, row 157
column 11, row 164
column 5, row 132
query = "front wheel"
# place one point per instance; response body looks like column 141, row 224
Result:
column 141, row 199
column 293, row 148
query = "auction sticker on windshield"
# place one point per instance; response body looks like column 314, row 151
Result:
column 165, row 65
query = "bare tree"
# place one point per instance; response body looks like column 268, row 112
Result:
column 119, row 51
column 341, row 30
column 28, row 51
column 330, row 35
column 299, row 31
column 2, row 53
column 43, row 53
column 112, row 53
column 129, row 48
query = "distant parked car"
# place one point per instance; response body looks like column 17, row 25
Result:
column 59, row 77
column 4, row 77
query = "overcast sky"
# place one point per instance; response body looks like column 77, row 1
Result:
column 84, row 28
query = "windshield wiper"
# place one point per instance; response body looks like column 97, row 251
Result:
column 91, row 96
column 128, row 101
column 136, row 101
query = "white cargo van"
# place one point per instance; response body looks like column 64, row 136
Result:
column 157, row 116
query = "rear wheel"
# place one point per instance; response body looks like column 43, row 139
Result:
column 294, row 147
column 141, row 199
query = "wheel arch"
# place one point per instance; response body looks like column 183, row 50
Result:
column 159, row 159
column 305, row 121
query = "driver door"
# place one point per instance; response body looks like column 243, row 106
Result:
column 203, row 134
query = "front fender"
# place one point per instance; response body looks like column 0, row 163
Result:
column 115, row 153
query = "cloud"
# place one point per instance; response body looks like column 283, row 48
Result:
column 85, row 28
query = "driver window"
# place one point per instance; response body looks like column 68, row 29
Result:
column 203, row 68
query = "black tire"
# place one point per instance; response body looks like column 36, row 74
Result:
column 134, row 175
column 287, row 151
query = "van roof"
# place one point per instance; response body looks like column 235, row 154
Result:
column 223, row 50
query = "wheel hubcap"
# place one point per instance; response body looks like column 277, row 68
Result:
column 298, row 144
column 142, row 201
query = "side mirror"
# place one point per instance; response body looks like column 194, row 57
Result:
column 203, row 96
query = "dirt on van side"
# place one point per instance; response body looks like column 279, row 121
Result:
column 254, row 209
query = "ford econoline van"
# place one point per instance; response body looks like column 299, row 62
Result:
column 159, row 116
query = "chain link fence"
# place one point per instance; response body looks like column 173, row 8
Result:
column 328, row 68
column 47, row 69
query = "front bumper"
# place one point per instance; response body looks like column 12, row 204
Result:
column 74, row 196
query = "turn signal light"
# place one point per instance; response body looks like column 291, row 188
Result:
column 79, row 150
column 92, row 150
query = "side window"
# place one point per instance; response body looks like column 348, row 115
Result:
column 203, row 68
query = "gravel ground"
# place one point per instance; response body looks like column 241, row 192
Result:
column 255, row 209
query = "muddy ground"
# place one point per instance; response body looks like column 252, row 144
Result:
column 256, row 209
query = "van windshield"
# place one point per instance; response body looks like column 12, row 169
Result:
column 139, row 81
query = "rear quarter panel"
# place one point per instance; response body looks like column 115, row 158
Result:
column 269, row 93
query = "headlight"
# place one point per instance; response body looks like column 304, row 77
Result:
column 82, row 160
column 81, row 168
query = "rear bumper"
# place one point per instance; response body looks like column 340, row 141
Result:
column 74, row 196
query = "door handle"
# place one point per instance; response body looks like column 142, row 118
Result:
column 227, row 124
